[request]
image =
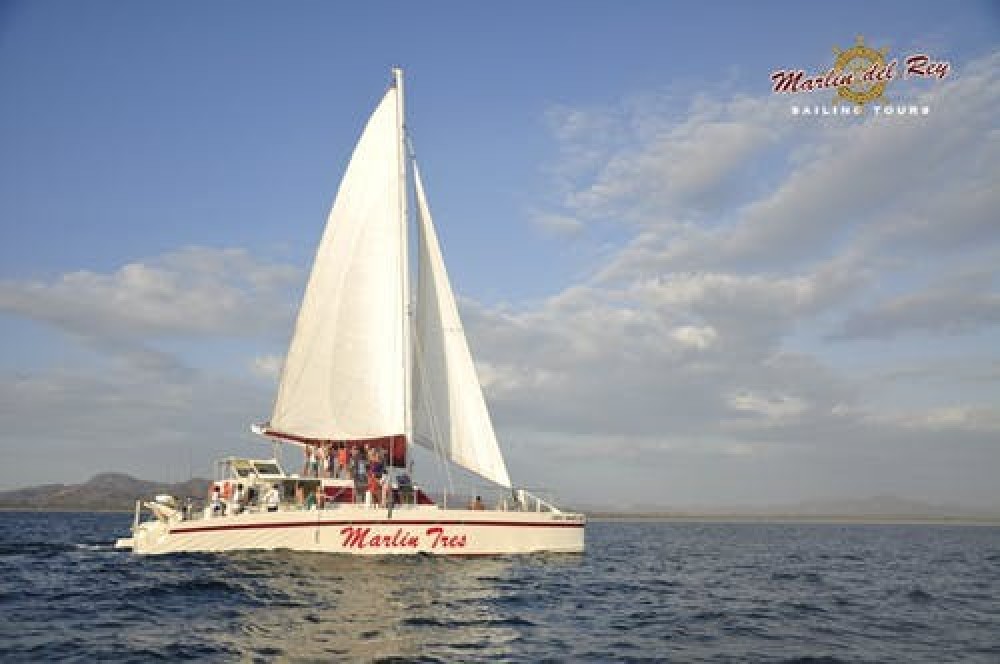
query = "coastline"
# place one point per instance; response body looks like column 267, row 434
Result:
column 831, row 519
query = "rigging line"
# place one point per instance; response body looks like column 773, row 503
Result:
column 411, row 152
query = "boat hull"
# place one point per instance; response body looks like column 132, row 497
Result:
column 357, row 530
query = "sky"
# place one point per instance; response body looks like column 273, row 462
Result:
column 678, row 292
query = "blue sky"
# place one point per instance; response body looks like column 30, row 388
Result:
column 722, row 292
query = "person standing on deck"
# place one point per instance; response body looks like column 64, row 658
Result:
column 239, row 499
column 360, row 474
column 373, row 487
column 386, row 490
column 216, row 500
column 342, row 458
column 272, row 499
column 320, row 460
column 377, row 466
column 351, row 471
column 307, row 462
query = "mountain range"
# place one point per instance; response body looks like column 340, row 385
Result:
column 104, row 491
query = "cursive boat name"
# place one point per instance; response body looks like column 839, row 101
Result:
column 362, row 538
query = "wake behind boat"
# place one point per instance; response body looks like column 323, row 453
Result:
column 369, row 373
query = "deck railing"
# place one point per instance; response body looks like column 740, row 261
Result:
column 489, row 498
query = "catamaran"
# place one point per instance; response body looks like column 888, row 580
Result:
column 372, row 368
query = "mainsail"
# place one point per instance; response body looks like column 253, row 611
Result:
column 348, row 373
column 450, row 413
column 343, row 377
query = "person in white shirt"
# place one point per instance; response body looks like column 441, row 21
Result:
column 386, row 483
column 216, row 500
column 272, row 499
column 239, row 499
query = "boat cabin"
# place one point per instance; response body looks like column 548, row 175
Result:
column 256, row 477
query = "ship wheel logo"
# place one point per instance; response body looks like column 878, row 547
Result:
column 856, row 61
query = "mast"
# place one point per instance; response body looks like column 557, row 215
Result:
column 397, row 78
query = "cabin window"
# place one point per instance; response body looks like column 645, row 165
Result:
column 267, row 468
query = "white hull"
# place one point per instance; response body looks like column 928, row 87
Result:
column 359, row 530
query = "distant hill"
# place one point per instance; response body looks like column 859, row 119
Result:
column 887, row 506
column 105, row 491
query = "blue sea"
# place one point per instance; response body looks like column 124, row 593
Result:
column 650, row 591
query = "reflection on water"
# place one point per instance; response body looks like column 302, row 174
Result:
column 323, row 607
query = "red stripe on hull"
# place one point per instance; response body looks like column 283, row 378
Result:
column 381, row 522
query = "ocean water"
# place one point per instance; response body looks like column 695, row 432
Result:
column 685, row 592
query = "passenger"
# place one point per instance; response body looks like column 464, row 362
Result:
column 342, row 459
column 360, row 473
column 216, row 500
column 314, row 464
column 300, row 494
column 319, row 457
column 239, row 500
column 352, row 465
column 386, row 490
column 272, row 499
column 307, row 462
column 311, row 501
column 477, row 504
column 331, row 461
column 373, row 487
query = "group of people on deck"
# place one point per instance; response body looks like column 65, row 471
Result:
column 231, row 498
column 366, row 466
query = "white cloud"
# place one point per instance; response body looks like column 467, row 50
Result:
column 558, row 224
column 954, row 419
column 739, row 184
column 642, row 163
column 67, row 424
column 697, row 336
column 958, row 306
column 776, row 407
column 137, row 406
column 195, row 291
column 267, row 366
column 755, row 241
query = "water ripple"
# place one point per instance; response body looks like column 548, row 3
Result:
column 678, row 592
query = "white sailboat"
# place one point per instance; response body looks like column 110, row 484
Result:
column 369, row 373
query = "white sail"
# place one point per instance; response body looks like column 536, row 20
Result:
column 360, row 369
column 344, row 374
column 449, row 412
